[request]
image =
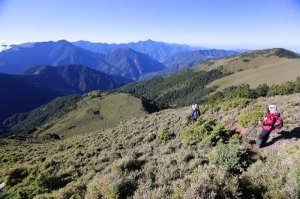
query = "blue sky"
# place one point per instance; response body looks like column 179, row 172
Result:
column 221, row 24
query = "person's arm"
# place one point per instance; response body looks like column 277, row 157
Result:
column 269, row 120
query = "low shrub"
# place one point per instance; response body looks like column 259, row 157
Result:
column 112, row 186
column 48, row 181
column 164, row 136
column 208, row 181
column 16, row 176
column 205, row 132
column 230, row 156
column 251, row 117
column 235, row 103
column 276, row 175
column 130, row 165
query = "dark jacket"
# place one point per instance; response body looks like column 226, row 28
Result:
column 195, row 114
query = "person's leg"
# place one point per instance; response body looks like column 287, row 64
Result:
column 263, row 137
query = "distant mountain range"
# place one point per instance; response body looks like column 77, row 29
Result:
column 188, row 59
column 32, row 74
column 73, row 79
column 131, row 60
column 40, row 84
column 158, row 50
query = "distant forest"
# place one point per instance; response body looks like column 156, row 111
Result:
column 176, row 90
column 262, row 90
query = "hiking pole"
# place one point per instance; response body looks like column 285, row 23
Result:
column 252, row 129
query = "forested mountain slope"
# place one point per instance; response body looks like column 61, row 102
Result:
column 73, row 79
column 19, row 95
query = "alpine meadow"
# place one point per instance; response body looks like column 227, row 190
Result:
column 84, row 120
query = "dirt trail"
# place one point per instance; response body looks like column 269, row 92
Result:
column 277, row 140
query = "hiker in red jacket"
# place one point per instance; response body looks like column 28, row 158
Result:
column 268, row 124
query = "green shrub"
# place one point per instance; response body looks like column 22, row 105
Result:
column 235, row 103
column 295, row 103
column 251, row 117
column 275, row 176
column 164, row 136
column 208, row 181
column 113, row 186
column 48, row 181
column 205, row 132
column 130, row 165
column 230, row 156
column 16, row 176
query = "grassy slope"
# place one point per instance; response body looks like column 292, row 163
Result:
column 253, row 68
column 95, row 112
column 271, row 73
column 105, row 159
column 128, row 156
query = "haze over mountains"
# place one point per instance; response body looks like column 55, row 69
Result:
column 158, row 50
column 75, row 68
column 124, row 61
column 62, row 68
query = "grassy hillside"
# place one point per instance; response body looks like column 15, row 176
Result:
column 257, row 67
column 73, row 115
column 159, row 156
column 118, row 150
column 249, row 60
column 272, row 73
column 270, row 66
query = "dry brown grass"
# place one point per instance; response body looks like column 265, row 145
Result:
column 253, row 68
column 275, row 73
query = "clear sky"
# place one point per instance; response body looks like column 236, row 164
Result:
column 221, row 24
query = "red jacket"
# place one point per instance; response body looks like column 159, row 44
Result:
column 269, row 121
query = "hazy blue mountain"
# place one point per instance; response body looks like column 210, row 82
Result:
column 192, row 58
column 19, row 95
column 18, row 59
column 188, row 59
column 131, row 64
column 158, row 50
column 74, row 78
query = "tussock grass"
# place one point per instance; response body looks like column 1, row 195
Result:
column 96, row 111
column 127, row 161
column 273, row 73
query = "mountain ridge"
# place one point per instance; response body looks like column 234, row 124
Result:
column 19, row 95
column 74, row 78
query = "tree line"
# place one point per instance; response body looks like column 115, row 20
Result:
column 262, row 90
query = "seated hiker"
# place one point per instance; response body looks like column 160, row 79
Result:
column 268, row 124
column 195, row 113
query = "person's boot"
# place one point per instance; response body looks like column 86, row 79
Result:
column 258, row 143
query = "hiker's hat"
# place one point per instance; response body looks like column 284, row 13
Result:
column 193, row 107
column 272, row 108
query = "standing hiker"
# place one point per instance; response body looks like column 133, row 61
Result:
column 268, row 124
column 195, row 113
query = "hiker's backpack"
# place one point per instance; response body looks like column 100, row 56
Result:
column 196, row 114
column 279, row 122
